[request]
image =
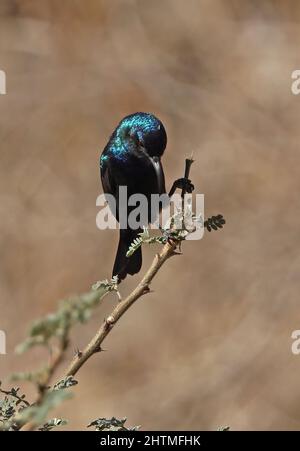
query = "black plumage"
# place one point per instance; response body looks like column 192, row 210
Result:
column 132, row 158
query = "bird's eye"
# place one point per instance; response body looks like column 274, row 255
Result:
column 131, row 134
column 137, row 136
column 140, row 138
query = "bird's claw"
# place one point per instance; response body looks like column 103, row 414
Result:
column 184, row 184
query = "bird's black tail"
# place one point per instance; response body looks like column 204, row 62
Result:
column 127, row 265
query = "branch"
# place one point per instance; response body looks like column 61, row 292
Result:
column 94, row 345
column 43, row 385
column 143, row 287
column 55, row 359
column 57, row 326
column 14, row 393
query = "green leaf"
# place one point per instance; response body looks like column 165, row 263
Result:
column 111, row 424
column 76, row 309
column 55, row 422
column 38, row 413
column 67, row 382
column 223, row 428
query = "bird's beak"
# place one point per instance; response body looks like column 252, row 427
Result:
column 155, row 159
column 155, row 163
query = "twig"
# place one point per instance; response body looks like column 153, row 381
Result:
column 54, row 363
column 94, row 345
column 14, row 394
column 188, row 164
column 143, row 287
column 44, row 383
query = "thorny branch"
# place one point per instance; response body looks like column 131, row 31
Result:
column 94, row 346
column 142, row 288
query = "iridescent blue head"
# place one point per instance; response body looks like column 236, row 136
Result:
column 141, row 132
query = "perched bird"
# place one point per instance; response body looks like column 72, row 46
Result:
column 132, row 158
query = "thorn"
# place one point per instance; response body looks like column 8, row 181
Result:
column 106, row 324
column 77, row 353
column 146, row 290
column 99, row 349
column 176, row 253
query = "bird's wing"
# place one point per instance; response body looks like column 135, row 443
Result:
column 109, row 185
column 106, row 177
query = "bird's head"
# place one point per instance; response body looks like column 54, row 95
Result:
column 143, row 133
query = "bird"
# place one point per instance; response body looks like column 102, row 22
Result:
column 132, row 158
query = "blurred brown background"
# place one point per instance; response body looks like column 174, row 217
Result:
column 212, row 345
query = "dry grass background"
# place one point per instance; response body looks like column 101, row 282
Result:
column 211, row 345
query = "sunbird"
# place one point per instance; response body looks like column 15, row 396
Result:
column 132, row 158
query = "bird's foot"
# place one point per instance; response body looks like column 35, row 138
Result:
column 184, row 184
